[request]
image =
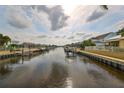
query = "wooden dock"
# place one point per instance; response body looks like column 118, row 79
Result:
column 21, row 52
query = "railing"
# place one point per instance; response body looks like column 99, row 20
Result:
column 105, row 48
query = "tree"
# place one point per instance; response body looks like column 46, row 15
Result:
column 121, row 32
column 13, row 47
column 1, row 35
column 4, row 40
column 87, row 43
column 1, row 40
column 104, row 7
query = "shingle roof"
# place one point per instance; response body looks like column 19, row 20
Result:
column 115, row 38
column 101, row 36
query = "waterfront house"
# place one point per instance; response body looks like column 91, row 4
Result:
column 117, row 41
column 31, row 45
column 28, row 45
column 100, row 40
column 15, row 42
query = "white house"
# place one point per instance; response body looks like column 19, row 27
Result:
column 100, row 40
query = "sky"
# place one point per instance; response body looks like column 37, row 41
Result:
column 59, row 24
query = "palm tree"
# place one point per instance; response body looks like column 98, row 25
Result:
column 1, row 40
column 121, row 32
column 104, row 7
column 1, row 35
column 4, row 40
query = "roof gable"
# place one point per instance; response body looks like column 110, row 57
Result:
column 102, row 36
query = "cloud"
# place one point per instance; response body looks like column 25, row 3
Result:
column 85, row 14
column 49, row 25
column 16, row 17
column 57, row 36
column 57, row 17
column 64, row 36
column 41, row 19
column 42, row 36
column 119, row 25
column 80, row 33
column 71, row 37
column 55, row 14
column 95, row 15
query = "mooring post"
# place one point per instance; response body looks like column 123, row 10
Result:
column 22, row 50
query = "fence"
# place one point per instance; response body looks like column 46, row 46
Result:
column 105, row 48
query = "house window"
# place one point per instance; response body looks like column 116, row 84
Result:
column 114, row 43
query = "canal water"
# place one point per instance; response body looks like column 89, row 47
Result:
column 55, row 69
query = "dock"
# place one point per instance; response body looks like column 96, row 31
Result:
column 21, row 52
column 70, row 52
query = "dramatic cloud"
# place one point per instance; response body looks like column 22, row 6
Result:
column 16, row 18
column 95, row 15
column 26, row 16
column 85, row 14
column 49, row 24
column 55, row 14
column 57, row 17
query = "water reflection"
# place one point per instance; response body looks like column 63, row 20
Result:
column 57, row 77
column 112, row 71
column 7, row 65
column 70, row 59
column 55, row 69
column 5, row 69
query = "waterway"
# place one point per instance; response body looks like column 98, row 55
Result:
column 55, row 69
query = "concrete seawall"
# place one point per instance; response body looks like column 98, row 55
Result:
column 19, row 53
column 114, row 62
column 7, row 56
